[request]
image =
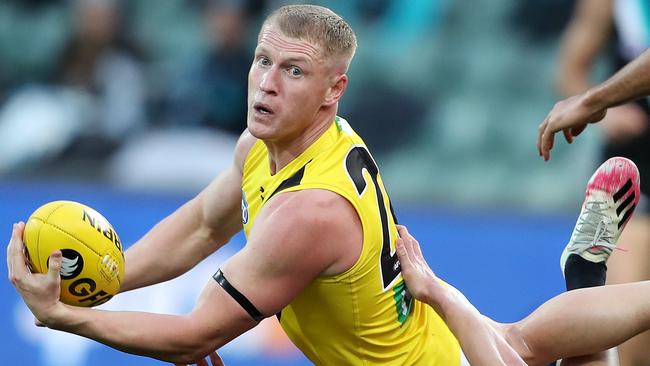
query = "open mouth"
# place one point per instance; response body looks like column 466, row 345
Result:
column 262, row 108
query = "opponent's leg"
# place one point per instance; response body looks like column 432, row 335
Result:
column 617, row 178
column 582, row 322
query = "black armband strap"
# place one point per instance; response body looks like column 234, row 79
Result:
column 238, row 296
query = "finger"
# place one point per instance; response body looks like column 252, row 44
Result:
column 9, row 262
column 541, row 138
column 54, row 271
column 547, row 144
column 15, row 256
column 540, row 133
column 412, row 245
column 202, row 362
column 567, row 135
column 400, row 249
column 408, row 243
column 417, row 256
column 575, row 131
column 216, row 359
column 417, row 250
column 598, row 116
column 403, row 255
column 400, row 229
column 38, row 323
column 406, row 239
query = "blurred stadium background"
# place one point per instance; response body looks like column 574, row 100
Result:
column 132, row 107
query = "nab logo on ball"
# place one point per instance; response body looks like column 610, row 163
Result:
column 103, row 228
column 72, row 264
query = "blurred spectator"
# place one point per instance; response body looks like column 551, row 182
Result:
column 101, row 64
column 97, row 98
column 211, row 92
column 203, row 112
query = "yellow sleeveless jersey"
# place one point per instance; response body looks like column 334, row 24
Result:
column 363, row 316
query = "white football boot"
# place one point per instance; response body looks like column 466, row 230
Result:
column 611, row 197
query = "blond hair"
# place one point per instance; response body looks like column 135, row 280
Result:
column 317, row 25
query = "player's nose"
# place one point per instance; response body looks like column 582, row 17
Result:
column 269, row 82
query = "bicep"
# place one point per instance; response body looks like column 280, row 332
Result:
column 270, row 278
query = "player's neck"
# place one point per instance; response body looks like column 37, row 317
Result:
column 282, row 153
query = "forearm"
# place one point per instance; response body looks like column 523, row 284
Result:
column 215, row 320
column 165, row 337
column 631, row 82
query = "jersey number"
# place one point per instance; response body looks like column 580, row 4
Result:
column 357, row 160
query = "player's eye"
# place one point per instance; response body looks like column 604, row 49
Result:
column 264, row 61
column 295, row 71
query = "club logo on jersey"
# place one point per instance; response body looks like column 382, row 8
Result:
column 71, row 264
column 244, row 208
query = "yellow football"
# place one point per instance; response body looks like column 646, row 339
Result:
column 93, row 261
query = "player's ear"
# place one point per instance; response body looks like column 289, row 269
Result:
column 335, row 92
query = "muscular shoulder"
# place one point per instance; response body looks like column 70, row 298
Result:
column 314, row 223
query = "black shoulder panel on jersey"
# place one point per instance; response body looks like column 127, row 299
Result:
column 292, row 181
column 238, row 296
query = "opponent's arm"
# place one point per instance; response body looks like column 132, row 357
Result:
column 629, row 83
column 573, row 114
column 480, row 342
column 191, row 233
column 296, row 237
